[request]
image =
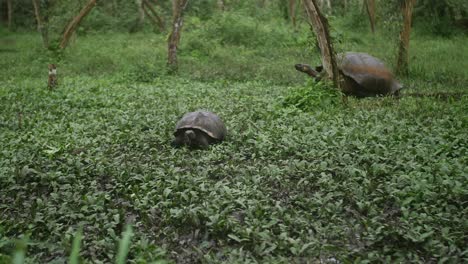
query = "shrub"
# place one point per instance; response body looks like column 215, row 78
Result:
column 231, row 28
column 312, row 97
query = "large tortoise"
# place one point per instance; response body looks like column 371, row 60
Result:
column 199, row 129
column 364, row 75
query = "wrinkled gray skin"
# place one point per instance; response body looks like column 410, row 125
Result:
column 365, row 75
column 199, row 129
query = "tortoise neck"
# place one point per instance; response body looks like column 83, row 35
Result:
column 312, row 72
column 307, row 69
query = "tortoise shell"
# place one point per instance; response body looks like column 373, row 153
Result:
column 369, row 73
column 204, row 121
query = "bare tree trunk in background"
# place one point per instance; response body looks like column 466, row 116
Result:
column 141, row 17
column 403, row 52
column 221, row 5
column 324, row 5
column 370, row 7
column 37, row 13
column 262, row 3
column 114, row 8
column 155, row 17
column 10, row 13
column 71, row 27
column 292, row 12
column 320, row 26
column 42, row 26
column 178, row 7
column 329, row 7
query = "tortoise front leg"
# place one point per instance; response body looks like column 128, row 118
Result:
column 178, row 141
column 202, row 140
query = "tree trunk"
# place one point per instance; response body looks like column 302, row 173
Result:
column 141, row 17
column 114, row 8
column 155, row 17
column 178, row 7
column 292, row 12
column 42, row 26
column 71, row 27
column 362, row 6
column 9, row 13
column 221, row 5
column 324, row 5
column 262, row 3
column 370, row 7
column 320, row 26
column 320, row 3
column 403, row 52
column 37, row 14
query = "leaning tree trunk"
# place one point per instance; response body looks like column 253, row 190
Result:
column 71, row 27
column 37, row 14
column 370, row 7
column 329, row 7
column 262, row 3
column 157, row 20
column 362, row 7
column 114, row 5
column 324, row 5
column 403, row 51
column 292, row 12
column 178, row 7
column 140, row 19
column 221, row 5
column 42, row 26
column 320, row 26
column 9, row 13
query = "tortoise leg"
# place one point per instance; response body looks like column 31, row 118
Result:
column 397, row 94
column 344, row 99
column 178, row 141
column 203, row 141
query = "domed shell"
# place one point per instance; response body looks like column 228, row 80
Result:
column 369, row 72
column 205, row 121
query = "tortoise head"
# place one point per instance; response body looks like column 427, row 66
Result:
column 315, row 73
column 189, row 137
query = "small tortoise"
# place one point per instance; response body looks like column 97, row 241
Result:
column 199, row 129
column 364, row 75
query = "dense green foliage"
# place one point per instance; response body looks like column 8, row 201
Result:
column 301, row 177
column 440, row 17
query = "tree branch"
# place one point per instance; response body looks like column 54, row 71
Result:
column 71, row 27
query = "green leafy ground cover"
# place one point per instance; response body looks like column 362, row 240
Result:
column 376, row 180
